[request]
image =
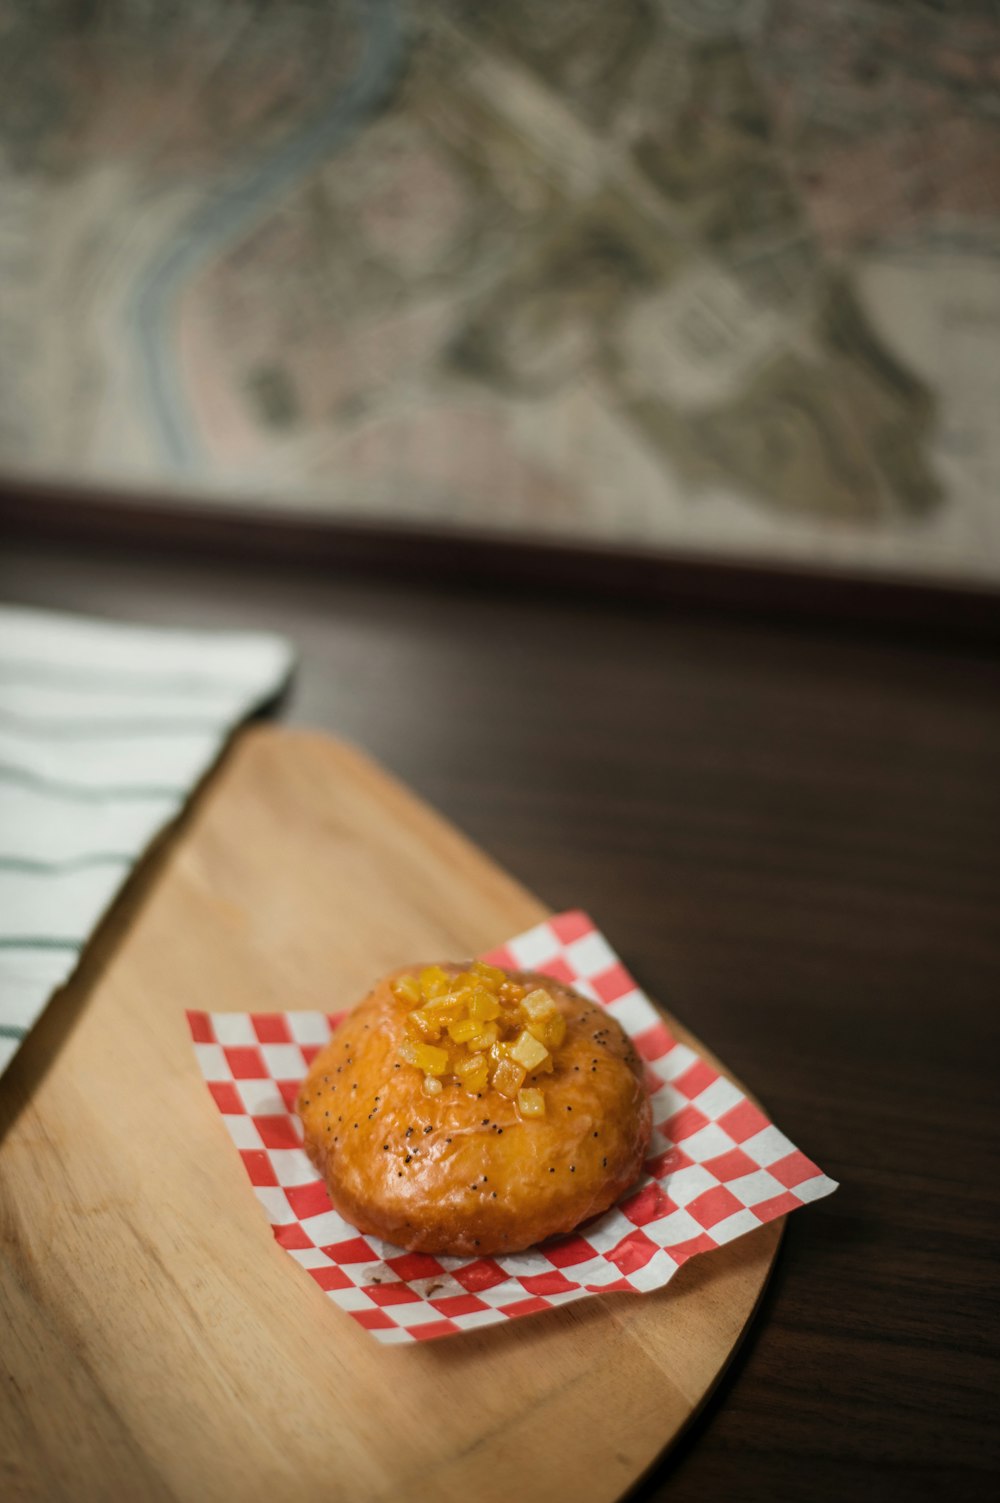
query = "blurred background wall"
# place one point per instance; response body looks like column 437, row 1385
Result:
column 717, row 276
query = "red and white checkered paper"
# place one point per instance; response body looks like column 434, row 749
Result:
column 717, row 1168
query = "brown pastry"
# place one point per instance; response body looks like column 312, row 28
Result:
column 474, row 1111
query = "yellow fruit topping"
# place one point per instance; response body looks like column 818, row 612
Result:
column 434, row 982
column 528, row 1051
column 538, row 1005
column 484, row 1007
column 407, row 989
column 551, row 1032
column 426, row 1024
column 491, row 974
column 432, row 1061
column 464, row 1029
column 472, row 1071
column 480, row 1028
column 508, row 1078
column 486, row 1037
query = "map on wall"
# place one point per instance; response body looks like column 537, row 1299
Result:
column 716, row 275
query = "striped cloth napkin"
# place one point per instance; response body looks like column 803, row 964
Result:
column 105, row 730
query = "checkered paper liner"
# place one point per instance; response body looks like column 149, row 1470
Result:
column 716, row 1168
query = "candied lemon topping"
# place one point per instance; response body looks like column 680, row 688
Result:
column 480, row 1028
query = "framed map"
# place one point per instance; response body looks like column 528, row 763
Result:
column 709, row 275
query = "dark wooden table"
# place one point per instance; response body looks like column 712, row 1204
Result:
column 793, row 835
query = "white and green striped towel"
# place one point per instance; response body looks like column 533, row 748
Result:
column 104, row 732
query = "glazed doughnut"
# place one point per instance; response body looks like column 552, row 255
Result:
column 472, row 1111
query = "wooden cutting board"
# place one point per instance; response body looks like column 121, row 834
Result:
column 157, row 1343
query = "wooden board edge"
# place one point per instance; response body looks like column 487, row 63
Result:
column 664, row 1456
